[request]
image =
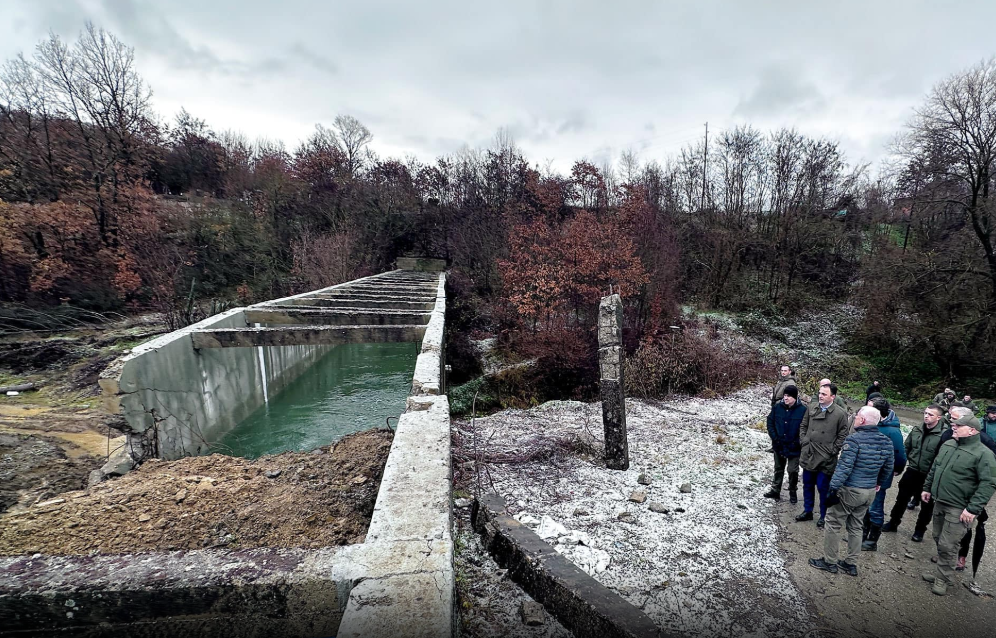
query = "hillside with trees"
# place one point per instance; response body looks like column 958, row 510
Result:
column 105, row 206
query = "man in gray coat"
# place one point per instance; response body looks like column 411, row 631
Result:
column 822, row 435
column 865, row 463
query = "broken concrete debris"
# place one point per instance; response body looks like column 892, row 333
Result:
column 532, row 613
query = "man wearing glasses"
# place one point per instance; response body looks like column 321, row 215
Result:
column 961, row 481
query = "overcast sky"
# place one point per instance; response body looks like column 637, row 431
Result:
column 568, row 79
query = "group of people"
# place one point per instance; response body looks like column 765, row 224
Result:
column 947, row 465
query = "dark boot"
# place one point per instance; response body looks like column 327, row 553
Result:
column 889, row 527
column 793, row 487
column 865, row 530
column 871, row 543
column 773, row 493
column 805, row 516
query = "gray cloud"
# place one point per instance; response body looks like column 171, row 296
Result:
column 781, row 91
column 568, row 78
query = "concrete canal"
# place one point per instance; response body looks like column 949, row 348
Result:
column 354, row 387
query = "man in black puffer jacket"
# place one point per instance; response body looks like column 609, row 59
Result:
column 783, row 428
column 866, row 461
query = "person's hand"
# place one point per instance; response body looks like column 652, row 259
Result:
column 925, row 497
column 878, row 487
column 897, row 473
column 966, row 517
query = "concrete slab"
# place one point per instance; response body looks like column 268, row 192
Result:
column 363, row 303
column 413, row 606
column 287, row 592
column 305, row 335
column 335, row 316
column 414, row 497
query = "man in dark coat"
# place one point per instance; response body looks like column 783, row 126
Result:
column 783, row 428
column 961, row 480
column 876, row 386
column 822, row 434
column 921, row 446
column 989, row 422
column 865, row 463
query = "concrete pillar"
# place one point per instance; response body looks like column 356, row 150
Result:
column 610, row 362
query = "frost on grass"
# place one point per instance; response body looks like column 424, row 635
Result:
column 710, row 565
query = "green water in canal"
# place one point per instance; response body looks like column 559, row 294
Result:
column 354, row 387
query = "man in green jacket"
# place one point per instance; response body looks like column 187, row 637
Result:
column 922, row 444
column 786, row 377
column 961, row 481
column 822, row 435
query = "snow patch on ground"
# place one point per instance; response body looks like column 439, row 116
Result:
column 711, row 565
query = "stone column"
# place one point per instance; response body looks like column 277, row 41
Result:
column 610, row 362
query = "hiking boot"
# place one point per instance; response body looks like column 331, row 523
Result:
column 793, row 487
column 805, row 516
column 889, row 526
column 819, row 563
column 847, row 568
column 961, row 564
column 793, row 498
column 929, row 576
column 917, row 537
column 871, row 543
column 820, row 523
column 939, row 587
column 773, row 494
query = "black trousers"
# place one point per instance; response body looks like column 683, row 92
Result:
column 912, row 483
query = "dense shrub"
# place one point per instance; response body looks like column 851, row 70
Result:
column 688, row 362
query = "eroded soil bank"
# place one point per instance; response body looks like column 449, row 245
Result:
column 316, row 499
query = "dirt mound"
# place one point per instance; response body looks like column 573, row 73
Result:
column 33, row 469
column 315, row 499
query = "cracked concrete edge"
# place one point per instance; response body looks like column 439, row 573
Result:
column 414, row 499
column 403, row 588
column 429, row 375
column 582, row 604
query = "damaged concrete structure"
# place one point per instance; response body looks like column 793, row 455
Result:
column 182, row 391
column 611, row 384
column 400, row 581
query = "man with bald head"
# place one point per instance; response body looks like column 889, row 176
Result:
column 866, row 461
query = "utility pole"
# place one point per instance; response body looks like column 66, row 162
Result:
column 705, row 165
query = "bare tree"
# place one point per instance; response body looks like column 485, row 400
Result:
column 953, row 137
column 94, row 85
column 352, row 138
